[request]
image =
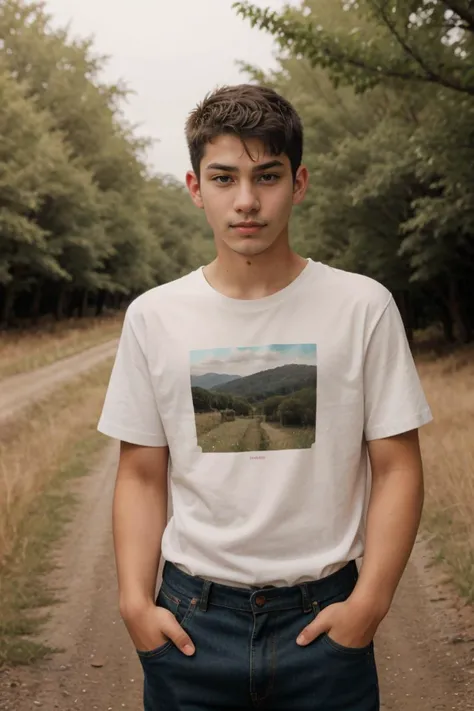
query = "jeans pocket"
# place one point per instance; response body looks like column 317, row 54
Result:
column 181, row 608
column 341, row 649
column 318, row 606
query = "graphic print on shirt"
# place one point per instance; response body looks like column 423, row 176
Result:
column 255, row 399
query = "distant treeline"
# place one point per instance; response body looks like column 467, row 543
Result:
column 207, row 401
column 84, row 224
column 286, row 394
column 296, row 409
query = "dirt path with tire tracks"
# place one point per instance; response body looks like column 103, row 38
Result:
column 21, row 390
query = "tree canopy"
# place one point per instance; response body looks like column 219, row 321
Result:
column 386, row 93
column 83, row 220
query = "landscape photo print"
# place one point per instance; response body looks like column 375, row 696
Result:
column 255, row 398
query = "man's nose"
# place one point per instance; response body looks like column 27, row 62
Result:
column 246, row 199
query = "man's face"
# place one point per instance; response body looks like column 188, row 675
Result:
column 247, row 200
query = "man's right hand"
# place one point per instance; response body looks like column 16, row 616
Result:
column 150, row 627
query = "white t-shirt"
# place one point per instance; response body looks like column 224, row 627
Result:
column 266, row 406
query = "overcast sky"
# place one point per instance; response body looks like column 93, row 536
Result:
column 171, row 53
column 254, row 359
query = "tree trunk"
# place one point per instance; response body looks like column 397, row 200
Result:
column 36, row 302
column 448, row 329
column 454, row 306
column 83, row 304
column 61, row 303
column 8, row 304
column 466, row 295
column 100, row 302
column 74, row 303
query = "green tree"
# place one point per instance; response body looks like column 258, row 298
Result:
column 241, row 407
column 422, row 41
column 201, row 399
column 83, row 219
column 29, row 154
column 270, row 407
column 391, row 172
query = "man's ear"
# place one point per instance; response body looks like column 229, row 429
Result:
column 300, row 185
column 192, row 183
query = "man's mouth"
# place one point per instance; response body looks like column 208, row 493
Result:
column 248, row 228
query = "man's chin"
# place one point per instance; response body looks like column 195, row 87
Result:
column 250, row 248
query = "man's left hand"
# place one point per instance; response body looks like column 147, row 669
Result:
column 348, row 623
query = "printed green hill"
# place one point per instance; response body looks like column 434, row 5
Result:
column 284, row 380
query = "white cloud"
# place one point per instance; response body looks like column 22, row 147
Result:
column 170, row 54
column 246, row 362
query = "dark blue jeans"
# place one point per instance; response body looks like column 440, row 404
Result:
column 246, row 653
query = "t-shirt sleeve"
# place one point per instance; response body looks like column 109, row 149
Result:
column 130, row 411
column 394, row 400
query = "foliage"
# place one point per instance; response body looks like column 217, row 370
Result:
column 422, row 41
column 270, row 408
column 83, row 222
column 385, row 91
column 208, row 401
column 299, row 409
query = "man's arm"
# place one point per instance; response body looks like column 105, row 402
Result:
column 139, row 520
column 393, row 518
column 140, row 513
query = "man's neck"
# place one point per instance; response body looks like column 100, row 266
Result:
column 240, row 277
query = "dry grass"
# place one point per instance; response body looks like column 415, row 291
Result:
column 206, row 421
column 53, row 443
column 23, row 351
column 34, row 444
column 448, row 453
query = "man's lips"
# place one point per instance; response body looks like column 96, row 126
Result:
column 248, row 228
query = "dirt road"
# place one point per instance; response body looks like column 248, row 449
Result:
column 20, row 390
column 425, row 647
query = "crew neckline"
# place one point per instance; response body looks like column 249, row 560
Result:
column 263, row 301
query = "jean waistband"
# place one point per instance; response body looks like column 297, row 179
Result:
column 265, row 599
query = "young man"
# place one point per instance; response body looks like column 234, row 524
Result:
column 266, row 383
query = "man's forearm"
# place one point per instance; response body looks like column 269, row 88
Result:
column 139, row 520
column 393, row 519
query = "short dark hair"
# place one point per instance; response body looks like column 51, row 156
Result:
column 246, row 111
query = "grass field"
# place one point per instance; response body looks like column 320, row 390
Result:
column 35, row 443
column 225, row 437
column 206, row 421
column 448, row 454
column 23, row 351
column 288, row 437
column 248, row 435
column 40, row 452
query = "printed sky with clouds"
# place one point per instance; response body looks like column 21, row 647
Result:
column 245, row 361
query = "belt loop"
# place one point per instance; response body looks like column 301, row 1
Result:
column 206, row 588
column 307, row 607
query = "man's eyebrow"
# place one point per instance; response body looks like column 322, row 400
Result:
column 234, row 168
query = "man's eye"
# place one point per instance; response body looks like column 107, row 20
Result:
column 269, row 177
column 222, row 179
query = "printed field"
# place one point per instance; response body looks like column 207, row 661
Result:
column 248, row 434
